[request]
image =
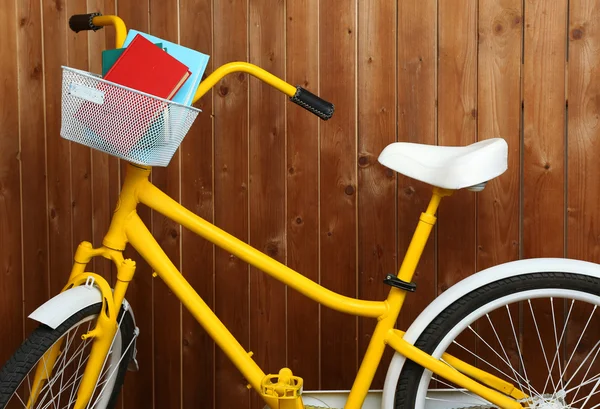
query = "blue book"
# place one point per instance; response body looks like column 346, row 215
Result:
column 194, row 60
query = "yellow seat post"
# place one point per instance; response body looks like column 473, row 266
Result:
column 395, row 300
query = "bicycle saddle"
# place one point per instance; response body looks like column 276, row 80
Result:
column 449, row 167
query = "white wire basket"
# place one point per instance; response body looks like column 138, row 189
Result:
column 121, row 121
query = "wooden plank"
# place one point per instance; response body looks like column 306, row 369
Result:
column 302, row 31
column 267, row 159
column 417, row 123
column 58, row 149
column 417, row 93
column 498, row 206
column 197, row 195
column 33, row 158
column 337, row 51
column 583, row 194
column 139, row 388
column 104, row 167
column 457, row 125
column 231, row 193
column 583, row 142
column 167, row 308
column 376, row 186
column 11, row 312
column 543, row 155
column 81, row 166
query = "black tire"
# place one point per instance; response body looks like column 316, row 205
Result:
column 410, row 376
column 24, row 360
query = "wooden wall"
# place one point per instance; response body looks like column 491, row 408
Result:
column 308, row 193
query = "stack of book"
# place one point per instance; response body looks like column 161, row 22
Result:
column 152, row 66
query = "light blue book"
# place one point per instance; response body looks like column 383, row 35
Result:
column 194, row 60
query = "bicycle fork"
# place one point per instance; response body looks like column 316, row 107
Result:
column 102, row 335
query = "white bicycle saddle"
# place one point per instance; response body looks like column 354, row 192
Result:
column 449, row 167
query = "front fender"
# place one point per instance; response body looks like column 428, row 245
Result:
column 59, row 308
column 511, row 269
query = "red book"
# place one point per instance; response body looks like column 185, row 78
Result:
column 124, row 118
column 145, row 67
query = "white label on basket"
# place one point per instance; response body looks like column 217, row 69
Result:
column 87, row 93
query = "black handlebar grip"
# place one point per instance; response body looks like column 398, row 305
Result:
column 313, row 103
column 80, row 22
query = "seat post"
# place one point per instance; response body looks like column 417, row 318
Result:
column 421, row 235
column 415, row 250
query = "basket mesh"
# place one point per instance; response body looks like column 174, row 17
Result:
column 121, row 121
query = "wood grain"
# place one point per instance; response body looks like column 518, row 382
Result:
column 417, row 116
column 167, row 308
column 198, row 349
column 104, row 168
column 10, row 202
column 583, row 194
column 267, row 163
column 58, row 149
column 338, row 181
column 498, row 206
column 583, row 132
column 139, row 386
column 231, row 193
column 376, row 186
column 303, row 190
column 33, row 158
column 307, row 192
column 457, row 125
column 543, row 154
column 80, row 161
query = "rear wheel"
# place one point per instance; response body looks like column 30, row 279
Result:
column 60, row 389
column 539, row 331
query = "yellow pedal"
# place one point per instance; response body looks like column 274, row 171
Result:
column 282, row 391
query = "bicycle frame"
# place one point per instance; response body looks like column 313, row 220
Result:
column 127, row 228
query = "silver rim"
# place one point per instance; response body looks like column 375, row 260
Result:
column 60, row 390
column 556, row 364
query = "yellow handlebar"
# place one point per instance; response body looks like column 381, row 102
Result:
column 217, row 75
column 251, row 69
column 117, row 23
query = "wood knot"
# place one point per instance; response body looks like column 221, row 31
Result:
column 298, row 220
column 173, row 233
column 363, row 161
column 577, row 34
column 498, row 28
column 223, row 90
column 272, row 249
column 349, row 190
column 36, row 72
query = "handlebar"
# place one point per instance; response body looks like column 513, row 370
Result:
column 298, row 95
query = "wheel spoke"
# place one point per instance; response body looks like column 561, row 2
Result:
column 469, row 394
column 487, row 363
column 519, row 351
column 595, row 347
column 507, row 361
column 579, row 341
column 541, row 343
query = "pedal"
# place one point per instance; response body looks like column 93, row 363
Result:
column 282, row 391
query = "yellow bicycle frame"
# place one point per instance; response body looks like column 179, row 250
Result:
column 127, row 228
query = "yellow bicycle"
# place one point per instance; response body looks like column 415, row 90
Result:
column 79, row 355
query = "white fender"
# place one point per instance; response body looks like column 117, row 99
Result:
column 467, row 285
column 59, row 308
